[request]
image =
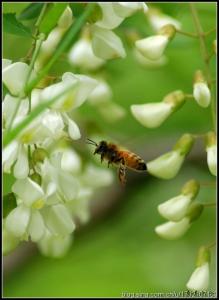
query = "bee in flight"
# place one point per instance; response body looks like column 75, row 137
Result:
column 122, row 158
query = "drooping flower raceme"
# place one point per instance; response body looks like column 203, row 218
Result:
column 173, row 230
column 199, row 279
column 176, row 208
column 152, row 115
column 201, row 90
column 153, row 47
column 168, row 165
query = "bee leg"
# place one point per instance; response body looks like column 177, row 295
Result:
column 109, row 163
column 122, row 174
column 101, row 158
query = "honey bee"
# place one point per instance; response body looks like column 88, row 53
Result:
column 120, row 157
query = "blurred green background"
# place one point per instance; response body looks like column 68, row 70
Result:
column 119, row 251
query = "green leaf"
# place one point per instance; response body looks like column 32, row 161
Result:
column 13, row 7
column 13, row 26
column 31, row 11
column 51, row 17
column 9, row 203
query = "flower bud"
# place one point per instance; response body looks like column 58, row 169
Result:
column 201, row 91
column 167, row 165
column 153, row 115
column 173, row 230
column 194, row 211
column 199, row 279
column 211, row 148
column 157, row 20
column 36, row 177
column 153, row 47
column 106, row 44
column 65, row 20
column 39, row 155
column 148, row 63
column 184, row 144
column 175, row 208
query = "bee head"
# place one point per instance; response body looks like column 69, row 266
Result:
column 101, row 148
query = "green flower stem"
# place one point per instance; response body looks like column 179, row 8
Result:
column 67, row 40
column 11, row 135
column 189, row 34
column 213, row 204
column 205, row 57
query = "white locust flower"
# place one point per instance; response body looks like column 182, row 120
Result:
column 126, row 9
column 148, row 63
column 152, row 115
column 55, row 246
column 81, row 55
column 5, row 63
column 199, row 279
column 111, row 112
column 106, row 44
column 173, row 230
column 211, row 149
column 101, row 94
column 201, row 90
column 25, row 219
column 109, row 18
column 157, row 20
column 176, row 208
column 168, row 165
column 96, row 177
column 153, row 47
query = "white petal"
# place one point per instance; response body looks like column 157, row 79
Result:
column 153, row 46
column 212, row 159
column 101, row 94
column 202, row 94
column 35, row 97
column 97, row 177
column 14, row 77
column 71, row 161
column 21, row 168
column 85, row 87
column 173, row 230
column 148, row 63
column 175, row 208
column 65, row 20
column 68, row 185
column 82, row 55
column 59, row 220
column 5, row 63
column 73, row 129
column 106, row 44
column 167, row 165
column 9, row 155
column 10, row 104
column 52, row 120
column 126, row 9
column 17, row 220
column 151, row 115
column 55, row 246
column 66, row 101
column 36, row 228
column 28, row 190
column 199, row 279
column 110, row 19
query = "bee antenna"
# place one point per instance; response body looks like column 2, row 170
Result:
column 89, row 141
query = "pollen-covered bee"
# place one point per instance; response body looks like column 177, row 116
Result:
column 122, row 158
